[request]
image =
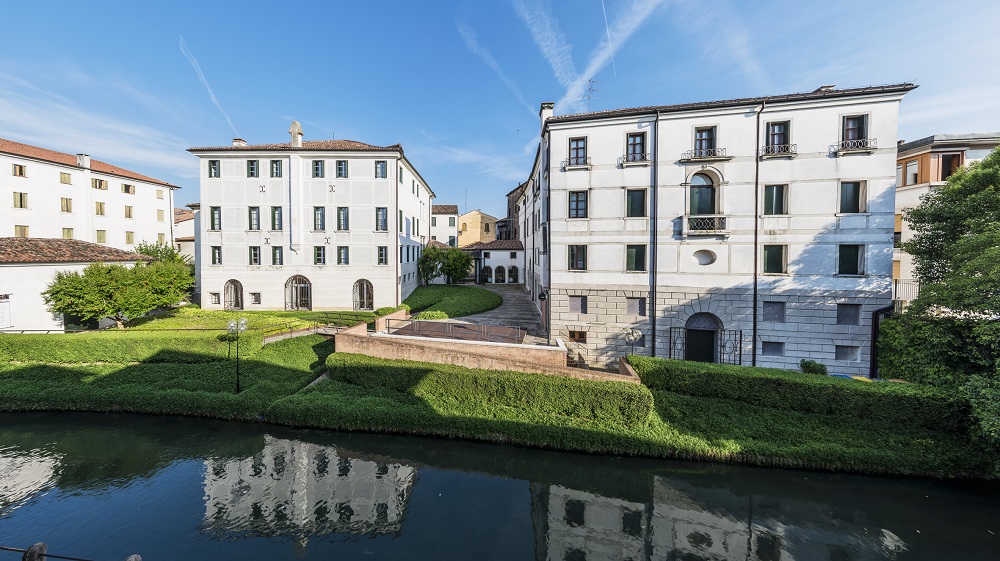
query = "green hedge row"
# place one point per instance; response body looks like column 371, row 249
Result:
column 906, row 404
column 125, row 346
column 386, row 310
column 614, row 402
column 455, row 301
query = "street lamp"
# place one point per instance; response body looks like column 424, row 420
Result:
column 235, row 328
column 631, row 336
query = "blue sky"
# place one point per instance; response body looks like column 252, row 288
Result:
column 457, row 82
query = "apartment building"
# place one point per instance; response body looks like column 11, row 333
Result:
column 184, row 229
column 52, row 194
column 444, row 224
column 922, row 165
column 746, row 231
column 508, row 227
column 476, row 226
column 321, row 225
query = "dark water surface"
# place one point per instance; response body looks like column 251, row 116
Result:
column 105, row 486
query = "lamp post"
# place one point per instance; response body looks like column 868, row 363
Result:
column 631, row 336
column 235, row 328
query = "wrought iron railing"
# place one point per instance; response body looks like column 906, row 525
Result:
column 780, row 150
column 576, row 161
column 453, row 330
column 705, row 223
column 857, row 144
column 704, row 154
column 633, row 159
column 905, row 289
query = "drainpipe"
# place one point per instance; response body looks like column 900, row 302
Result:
column 654, row 234
column 399, row 248
column 877, row 316
column 756, row 231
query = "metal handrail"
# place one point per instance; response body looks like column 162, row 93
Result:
column 578, row 161
column 634, row 158
column 779, row 150
column 858, row 144
column 706, row 222
column 704, row 153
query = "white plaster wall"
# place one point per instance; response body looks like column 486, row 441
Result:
column 442, row 232
column 502, row 258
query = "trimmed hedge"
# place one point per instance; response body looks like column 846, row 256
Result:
column 386, row 310
column 455, row 301
column 127, row 346
column 612, row 402
column 904, row 404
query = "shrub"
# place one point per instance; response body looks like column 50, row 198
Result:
column 610, row 402
column 384, row 311
column 941, row 351
column 907, row 404
column 812, row 367
column 456, row 301
column 428, row 314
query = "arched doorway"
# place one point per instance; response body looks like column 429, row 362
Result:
column 702, row 335
column 364, row 295
column 486, row 275
column 233, row 295
column 501, row 275
column 298, row 293
column 513, row 274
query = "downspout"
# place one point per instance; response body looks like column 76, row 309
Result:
column 291, row 213
column 654, row 234
column 399, row 247
column 756, row 231
column 877, row 316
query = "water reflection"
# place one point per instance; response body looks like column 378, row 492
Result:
column 23, row 476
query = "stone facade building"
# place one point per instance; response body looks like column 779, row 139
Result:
column 476, row 226
column 747, row 231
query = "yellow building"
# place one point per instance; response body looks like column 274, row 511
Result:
column 476, row 226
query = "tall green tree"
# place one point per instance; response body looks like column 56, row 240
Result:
column 456, row 265
column 429, row 264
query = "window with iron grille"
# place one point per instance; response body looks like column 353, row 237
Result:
column 855, row 127
column 635, row 147
column 704, row 140
column 777, row 134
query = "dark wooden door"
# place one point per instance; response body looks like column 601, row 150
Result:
column 701, row 345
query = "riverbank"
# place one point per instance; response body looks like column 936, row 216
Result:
column 366, row 394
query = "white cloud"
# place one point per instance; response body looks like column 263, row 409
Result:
column 204, row 82
column 550, row 40
column 473, row 45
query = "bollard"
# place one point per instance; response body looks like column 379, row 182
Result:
column 36, row 552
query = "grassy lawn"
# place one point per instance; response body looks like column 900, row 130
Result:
column 452, row 300
column 189, row 317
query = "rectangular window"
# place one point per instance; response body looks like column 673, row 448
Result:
column 777, row 135
column 276, row 218
column 577, row 204
column 451, row 221
column 899, row 175
column 635, row 258
column 101, row 184
column 416, row 227
column 214, row 168
column 20, row 231
column 128, row 189
column 255, row 297
column 343, row 218
column 215, row 218
column 67, row 234
column 851, row 200
column 636, row 306
column 253, row 168
column 319, row 218
column 513, row 255
column 578, row 151
column 855, row 127
column 774, row 199
column 342, row 169
column 217, row 255
column 18, row 170
column 128, row 211
column 159, row 194
column 774, row 259
column 844, row 352
column 578, row 304
column 160, row 215
column 102, row 236
column 383, row 255
column 275, row 168
column 578, row 336
column 771, row 348
column 130, row 237
column 400, row 174
column 213, row 297
column 65, row 178
column 20, row 200
column 319, row 168
column 161, row 238
column 253, row 218
column 400, row 222
column 343, row 255
column 452, row 241
column 381, row 219
column 774, row 311
column 912, row 172
column 277, row 255
column 66, row 205
column 635, row 203
column 319, row 255
column 704, row 141
column 254, row 255
column 635, row 147
column 99, row 208
column 434, row 221
column 848, row 314
column 381, row 168
column 851, row 260
column 577, row 258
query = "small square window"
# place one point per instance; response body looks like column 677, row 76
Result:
column 636, row 306
column 67, row 179
column 578, row 336
column 844, row 352
column 213, row 297
column 67, row 234
column 774, row 311
column 21, row 231
column 18, row 171
column 255, row 297
column 513, row 255
column 848, row 314
column 578, row 304
column 771, row 348
column 128, row 189
column 774, row 259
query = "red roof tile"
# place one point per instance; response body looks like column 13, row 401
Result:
column 444, row 209
column 44, row 154
column 57, row 250
column 182, row 215
column 496, row 245
column 435, row 243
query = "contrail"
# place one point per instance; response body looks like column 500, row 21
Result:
column 610, row 46
column 204, row 81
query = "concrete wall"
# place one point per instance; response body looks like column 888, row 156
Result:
column 382, row 323
column 476, row 224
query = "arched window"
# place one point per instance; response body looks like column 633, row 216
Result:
column 703, row 195
column 364, row 295
column 486, row 275
column 298, row 293
column 501, row 275
column 233, row 295
column 464, row 226
column 486, row 227
column 513, row 274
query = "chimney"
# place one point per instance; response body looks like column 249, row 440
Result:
column 83, row 161
column 545, row 113
column 239, row 142
column 296, row 132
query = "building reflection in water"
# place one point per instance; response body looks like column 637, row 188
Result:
column 301, row 489
column 685, row 522
column 22, row 476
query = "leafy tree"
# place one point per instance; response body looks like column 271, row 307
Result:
column 164, row 253
column 118, row 292
column 429, row 264
column 456, row 265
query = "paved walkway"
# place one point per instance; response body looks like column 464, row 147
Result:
column 517, row 310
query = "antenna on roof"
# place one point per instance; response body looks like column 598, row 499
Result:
column 590, row 90
column 465, row 205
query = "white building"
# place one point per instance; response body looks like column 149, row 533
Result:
column 325, row 225
column 444, row 224
column 497, row 262
column 29, row 265
column 73, row 196
column 673, row 220
column 184, row 230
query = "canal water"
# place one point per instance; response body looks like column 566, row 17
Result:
column 102, row 487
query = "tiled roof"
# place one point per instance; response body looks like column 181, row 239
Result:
column 471, row 212
column 496, row 245
column 57, row 250
column 337, row 145
column 44, row 154
column 818, row 94
column 182, row 215
column 949, row 138
column 184, row 239
column 444, row 209
column 435, row 243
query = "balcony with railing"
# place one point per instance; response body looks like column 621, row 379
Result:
column 575, row 162
column 855, row 146
column 905, row 289
column 634, row 160
column 779, row 151
column 705, row 155
column 706, row 224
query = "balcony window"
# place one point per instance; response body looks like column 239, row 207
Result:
column 635, row 258
column 851, row 197
column 578, row 204
column 635, row 203
column 703, row 199
column 778, row 140
column 774, row 259
column 578, row 151
column 577, row 258
column 855, row 127
column 774, row 199
column 635, row 147
column 704, row 141
column 851, row 260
